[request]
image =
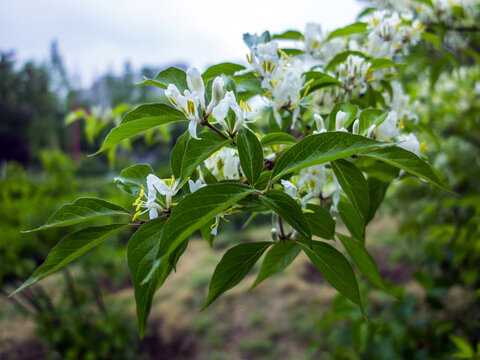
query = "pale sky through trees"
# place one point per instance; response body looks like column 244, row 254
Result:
column 97, row 35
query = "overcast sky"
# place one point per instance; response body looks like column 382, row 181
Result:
column 97, row 35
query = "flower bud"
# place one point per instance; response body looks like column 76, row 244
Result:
column 371, row 131
column 195, row 84
column 339, row 119
column 356, row 126
column 319, row 122
column 217, row 93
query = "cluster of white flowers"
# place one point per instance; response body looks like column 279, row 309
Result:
column 389, row 32
column 353, row 74
column 220, row 103
column 225, row 163
column 388, row 35
column 442, row 10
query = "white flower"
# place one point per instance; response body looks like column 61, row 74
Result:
column 225, row 163
column 243, row 112
column 290, row 189
column 387, row 130
column 155, row 184
column 312, row 179
column 151, row 206
column 217, row 93
column 320, row 124
column 355, row 127
column 221, row 110
column 195, row 84
column 188, row 104
column 189, row 101
column 194, row 186
column 339, row 121
column 352, row 74
column 335, row 195
column 313, row 38
column 286, row 90
column 410, row 142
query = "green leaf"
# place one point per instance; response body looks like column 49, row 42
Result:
column 196, row 210
column 363, row 260
column 350, row 110
column 172, row 75
column 206, row 231
column 317, row 80
column 250, row 152
column 292, row 52
column 178, row 152
column 376, row 190
column 352, row 219
column 336, row 269
column 322, row 148
column 276, row 138
column 70, row 248
column 341, row 57
column 465, row 350
column 381, row 63
column 277, row 259
column 131, row 179
column 195, row 152
column 141, row 255
column 226, row 68
column 353, row 183
column 408, row 161
column 358, row 27
column 234, row 266
column 263, row 179
column 320, row 222
column 289, row 35
column 289, row 210
column 370, row 117
column 141, row 118
column 81, row 210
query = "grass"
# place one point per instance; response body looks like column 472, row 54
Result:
column 275, row 320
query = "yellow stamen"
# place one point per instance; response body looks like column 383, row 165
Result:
column 308, row 82
column 306, row 91
column 213, row 225
column 142, row 192
column 139, row 206
column 191, row 107
column 308, row 211
column 293, row 107
column 423, row 147
column 136, row 215
column 284, row 55
column 173, row 101
column 401, row 124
